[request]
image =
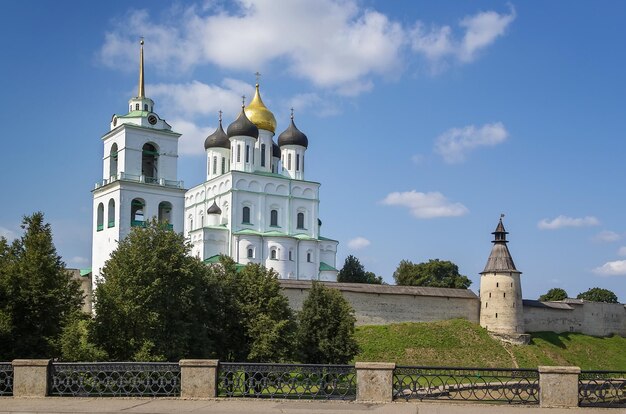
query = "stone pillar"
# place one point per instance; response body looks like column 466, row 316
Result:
column 374, row 381
column 30, row 377
column 198, row 378
column 558, row 386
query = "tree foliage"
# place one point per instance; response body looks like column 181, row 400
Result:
column 38, row 296
column 326, row 328
column 597, row 294
column 156, row 301
column 434, row 273
column 554, row 294
column 354, row 272
column 260, row 325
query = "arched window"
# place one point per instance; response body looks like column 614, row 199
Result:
column 145, row 107
column 250, row 253
column 297, row 162
column 165, row 213
column 246, row 215
column 247, row 153
column 137, row 207
column 100, row 217
column 214, row 165
column 149, row 156
column 111, row 214
column 308, row 257
column 289, row 161
column 274, row 218
column 290, row 255
column 273, row 254
column 238, row 152
column 262, row 155
column 300, row 221
column 136, row 107
column 223, row 165
column 113, row 161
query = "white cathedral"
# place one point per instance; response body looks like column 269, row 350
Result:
column 255, row 205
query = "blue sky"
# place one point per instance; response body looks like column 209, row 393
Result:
column 426, row 120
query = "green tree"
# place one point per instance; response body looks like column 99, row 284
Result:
column 260, row 325
column 554, row 294
column 156, row 302
column 434, row 273
column 76, row 342
column 38, row 296
column 354, row 272
column 597, row 294
column 326, row 328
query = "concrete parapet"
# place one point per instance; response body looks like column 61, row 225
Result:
column 198, row 378
column 374, row 381
column 558, row 386
column 30, row 377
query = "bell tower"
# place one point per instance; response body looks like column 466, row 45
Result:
column 139, row 176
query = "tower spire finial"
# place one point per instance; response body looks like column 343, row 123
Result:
column 220, row 115
column 292, row 113
column 258, row 76
column 142, row 92
column 243, row 101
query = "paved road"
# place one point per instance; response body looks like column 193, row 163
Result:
column 60, row 405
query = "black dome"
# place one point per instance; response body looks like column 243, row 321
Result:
column 217, row 139
column 293, row 136
column 275, row 150
column 214, row 209
column 243, row 126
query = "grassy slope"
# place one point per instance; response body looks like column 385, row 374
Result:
column 461, row 343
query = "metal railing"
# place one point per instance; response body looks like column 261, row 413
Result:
column 116, row 379
column 520, row 386
column 6, row 379
column 139, row 179
column 602, row 389
column 298, row 381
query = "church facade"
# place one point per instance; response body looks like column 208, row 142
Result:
column 255, row 205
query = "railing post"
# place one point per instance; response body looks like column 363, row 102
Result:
column 558, row 386
column 374, row 381
column 30, row 377
column 198, row 378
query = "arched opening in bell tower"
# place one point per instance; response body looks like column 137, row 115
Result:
column 137, row 207
column 149, row 158
column 165, row 212
column 113, row 161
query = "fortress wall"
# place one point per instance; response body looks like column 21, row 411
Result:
column 379, row 305
column 591, row 318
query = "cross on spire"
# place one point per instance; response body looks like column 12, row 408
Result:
column 220, row 115
column 292, row 112
column 243, row 101
column 258, row 76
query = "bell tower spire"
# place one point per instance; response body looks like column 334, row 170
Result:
column 142, row 91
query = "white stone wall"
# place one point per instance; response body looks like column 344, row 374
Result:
column 591, row 318
column 380, row 305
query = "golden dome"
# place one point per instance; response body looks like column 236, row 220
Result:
column 258, row 113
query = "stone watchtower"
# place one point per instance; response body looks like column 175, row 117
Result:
column 501, row 310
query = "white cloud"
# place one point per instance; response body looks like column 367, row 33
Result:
column 337, row 44
column 622, row 251
column 607, row 236
column 358, row 243
column 321, row 107
column 330, row 43
column 197, row 98
column 616, row 268
column 425, row 205
column 439, row 44
column 454, row 144
column 7, row 234
column 192, row 141
column 564, row 221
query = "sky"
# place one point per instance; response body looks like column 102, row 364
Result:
column 426, row 120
